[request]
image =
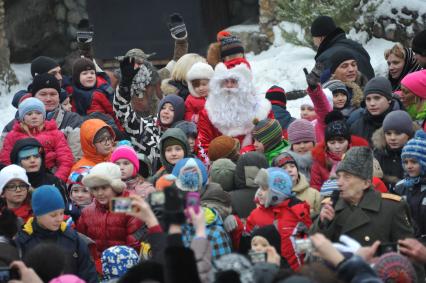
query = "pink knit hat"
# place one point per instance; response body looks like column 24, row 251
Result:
column 126, row 152
column 68, row 278
column 416, row 83
column 301, row 130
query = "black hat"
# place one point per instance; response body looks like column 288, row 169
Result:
column 379, row 85
column 230, row 45
column 42, row 64
column 276, row 95
column 271, row 234
column 45, row 81
column 339, row 57
column 322, row 26
column 419, row 43
column 336, row 126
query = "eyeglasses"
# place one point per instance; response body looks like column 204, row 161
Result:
column 105, row 140
column 15, row 187
column 38, row 155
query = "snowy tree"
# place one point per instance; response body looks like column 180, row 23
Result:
column 7, row 76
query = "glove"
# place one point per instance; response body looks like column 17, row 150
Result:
column 313, row 78
column 177, row 26
column 347, row 245
column 174, row 206
column 230, row 223
column 128, row 71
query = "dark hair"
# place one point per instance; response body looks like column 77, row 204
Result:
column 54, row 261
column 144, row 271
column 8, row 222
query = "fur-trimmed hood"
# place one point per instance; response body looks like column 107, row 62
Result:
column 357, row 94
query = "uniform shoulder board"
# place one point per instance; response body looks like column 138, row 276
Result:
column 326, row 200
column 391, row 197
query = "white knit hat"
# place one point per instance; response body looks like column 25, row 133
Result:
column 12, row 172
column 105, row 174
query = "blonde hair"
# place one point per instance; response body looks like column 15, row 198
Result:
column 184, row 64
column 397, row 50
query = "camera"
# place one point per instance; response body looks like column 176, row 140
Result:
column 7, row 274
column 121, row 205
column 256, row 257
column 156, row 199
column 303, row 246
column 387, row 248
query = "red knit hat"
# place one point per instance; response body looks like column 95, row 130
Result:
column 416, row 83
column 126, row 152
column 276, row 95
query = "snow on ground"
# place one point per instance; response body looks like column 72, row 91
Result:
column 282, row 64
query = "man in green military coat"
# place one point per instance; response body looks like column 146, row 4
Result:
column 360, row 212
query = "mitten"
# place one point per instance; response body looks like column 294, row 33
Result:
column 177, row 26
column 230, row 223
column 313, row 78
column 128, row 71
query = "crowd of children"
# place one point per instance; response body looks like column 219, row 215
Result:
column 199, row 191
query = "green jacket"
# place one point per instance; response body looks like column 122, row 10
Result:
column 417, row 115
column 270, row 155
column 383, row 217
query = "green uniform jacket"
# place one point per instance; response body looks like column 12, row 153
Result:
column 382, row 217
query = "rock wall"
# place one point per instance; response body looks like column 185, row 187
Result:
column 37, row 27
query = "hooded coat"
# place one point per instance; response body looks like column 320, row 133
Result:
column 58, row 155
column 242, row 198
column 304, row 162
column 306, row 193
column 320, row 171
column 87, row 135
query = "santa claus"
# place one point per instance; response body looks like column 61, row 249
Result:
column 231, row 107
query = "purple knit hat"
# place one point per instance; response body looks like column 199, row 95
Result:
column 393, row 267
column 301, row 130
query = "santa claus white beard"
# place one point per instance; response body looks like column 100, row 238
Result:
column 232, row 110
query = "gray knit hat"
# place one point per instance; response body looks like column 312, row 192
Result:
column 222, row 171
column 358, row 161
column 336, row 86
column 379, row 85
column 399, row 121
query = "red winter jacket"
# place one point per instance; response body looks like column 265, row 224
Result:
column 193, row 107
column 58, row 155
column 98, row 100
column 288, row 214
column 320, row 170
column 108, row 229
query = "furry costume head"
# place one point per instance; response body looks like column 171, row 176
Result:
column 232, row 110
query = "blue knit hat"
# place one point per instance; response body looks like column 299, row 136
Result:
column 416, row 148
column 278, row 182
column 46, row 199
column 191, row 175
column 31, row 104
column 117, row 260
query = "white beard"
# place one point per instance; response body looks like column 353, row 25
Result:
column 232, row 111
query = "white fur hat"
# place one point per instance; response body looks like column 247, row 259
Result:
column 105, row 174
column 198, row 71
column 239, row 71
column 10, row 173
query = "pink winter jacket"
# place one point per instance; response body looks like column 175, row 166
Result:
column 322, row 107
column 58, row 155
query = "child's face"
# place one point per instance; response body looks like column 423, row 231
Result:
column 338, row 146
column 80, row 195
column 191, row 142
column 15, row 192
column 126, row 168
column 303, row 147
column 52, row 220
column 396, row 140
column 292, row 171
column 259, row 146
column 103, row 194
column 88, row 78
column 174, row 153
column 66, row 105
column 259, row 244
column 33, row 119
column 307, row 112
column 105, row 144
column 31, row 163
column 339, row 100
column 167, row 114
column 412, row 167
column 262, row 195
column 201, row 87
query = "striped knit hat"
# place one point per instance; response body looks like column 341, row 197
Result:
column 416, row 148
column 230, row 45
column 301, row 130
column 276, row 95
column 268, row 132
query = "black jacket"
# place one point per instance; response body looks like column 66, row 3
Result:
column 337, row 41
